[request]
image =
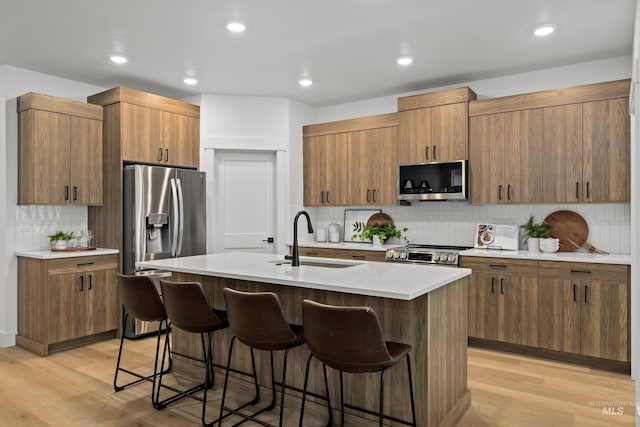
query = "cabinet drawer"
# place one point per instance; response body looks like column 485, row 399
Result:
column 588, row 271
column 361, row 255
column 318, row 252
column 82, row 264
column 522, row 267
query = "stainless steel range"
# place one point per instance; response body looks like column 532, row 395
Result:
column 426, row 254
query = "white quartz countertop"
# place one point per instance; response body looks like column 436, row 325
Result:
column 346, row 245
column 48, row 254
column 378, row 279
column 587, row 257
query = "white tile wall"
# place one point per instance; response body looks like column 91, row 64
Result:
column 34, row 223
column 454, row 223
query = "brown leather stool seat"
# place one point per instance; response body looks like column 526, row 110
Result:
column 350, row 339
column 141, row 301
column 257, row 320
column 188, row 309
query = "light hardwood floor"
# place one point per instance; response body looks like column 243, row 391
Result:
column 74, row 388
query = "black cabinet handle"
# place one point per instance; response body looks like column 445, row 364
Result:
column 500, row 192
column 581, row 271
column 81, row 283
column 374, row 196
column 368, row 191
column 166, row 150
column 574, row 293
column 80, row 264
column 585, row 293
column 577, row 191
column 588, row 190
column 160, row 154
column 509, row 192
column 502, row 286
column 358, row 256
column 426, row 152
column 327, row 196
column 75, row 193
column 90, row 281
column 322, row 197
column 66, row 192
column 497, row 266
column 493, row 279
column 312, row 253
column 434, row 152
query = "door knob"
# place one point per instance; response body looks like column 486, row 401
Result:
column 268, row 240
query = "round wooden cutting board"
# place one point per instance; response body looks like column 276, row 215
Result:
column 379, row 218
column 571, row 229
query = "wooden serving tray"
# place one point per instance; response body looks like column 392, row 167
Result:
column 73, row 249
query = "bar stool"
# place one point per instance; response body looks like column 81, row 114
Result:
column 350, row 339
column 141, row 302
column 257, row 320
column 188, row 309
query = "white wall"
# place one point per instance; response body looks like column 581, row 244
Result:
column 34, row 222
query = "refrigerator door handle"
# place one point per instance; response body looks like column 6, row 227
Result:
column 180, row 217
column 174, row 221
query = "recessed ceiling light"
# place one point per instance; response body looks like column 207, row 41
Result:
column 119, row 59
column 190, row 81
column 236, row 27
column 404, row 60
column 544, row 30
column 305, row 82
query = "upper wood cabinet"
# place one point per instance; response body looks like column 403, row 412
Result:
column 151, row 128
column 434, row 126
column 351, row 162
column 59, row 151
column 562, row 146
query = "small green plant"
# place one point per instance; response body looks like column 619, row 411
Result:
column 60, row 235
column 535, row 230
column 383, row 231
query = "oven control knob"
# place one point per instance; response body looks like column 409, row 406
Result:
column 389, row 255
column 436, row 258
column 452, row 258
column 396, row 255
column 403, row 255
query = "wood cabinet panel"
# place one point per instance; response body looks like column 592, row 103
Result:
column 414, row 136
column 314, row 171
column 141, row 133
column 60, row 155
column 336, row 167
column 559, row 315
column 181, row 140
column 522, row 267
column 518, row 309
column 449, row 135
column 606, row 151
column 483, row 306
column 358, row 255
column 67, row 307
column 522, row 157
column 361, row 167
column 101, row 307
column 486, row 154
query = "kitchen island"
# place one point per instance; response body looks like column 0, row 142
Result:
column 423, row 306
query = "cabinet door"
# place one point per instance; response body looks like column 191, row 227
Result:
column 486, row 153
column 313, row 152
column 522, row 157
column 362, row 146
column 606, row 151
column 336, row 169
column 562, row 153
column 181, row 140
column 483, row 306
column 449, row 132
column 101, row 300
column 141, row 134
column 605, row 317
column 66, row 319
column 384, row 173
column 559, row 314
column 518, row 309
column 86, row 161
column 415, row 136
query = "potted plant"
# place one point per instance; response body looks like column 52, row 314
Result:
column 60, row 239
column 379, row 233
column 533, row 232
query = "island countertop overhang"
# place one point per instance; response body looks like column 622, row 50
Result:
column 378, row 279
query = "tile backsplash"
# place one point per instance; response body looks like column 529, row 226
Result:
column 454, row 223
column 34, row 223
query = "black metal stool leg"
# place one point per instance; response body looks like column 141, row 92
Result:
column 382, row 396
column 115, row 377
column 273, row 385
column 226, row 380
column 208, row 380
column 304, row 389
column 341, row 400
column 284, row 377
column 326, row 387
column 413, row 403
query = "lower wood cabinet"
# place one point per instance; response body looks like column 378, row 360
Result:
column 503, row 297
column 354, row 254
column 585, row 309
column 63, row 303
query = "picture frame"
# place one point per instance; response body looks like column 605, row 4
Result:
column 354, row 221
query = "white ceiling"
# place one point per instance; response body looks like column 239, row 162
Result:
column 348, row 47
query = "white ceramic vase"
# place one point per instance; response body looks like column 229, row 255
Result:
column 60, row 244
column 533, row 243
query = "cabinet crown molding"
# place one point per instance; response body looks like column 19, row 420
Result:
column 432, row 99
column 351, row 125
column 54, row 104
column 144, row 99
column 551, row 98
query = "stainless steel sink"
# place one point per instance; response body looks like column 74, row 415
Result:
column 318, row 263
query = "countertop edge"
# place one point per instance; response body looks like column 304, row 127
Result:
column 583, row 257
column 48, row 254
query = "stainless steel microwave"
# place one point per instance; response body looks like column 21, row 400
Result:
column 433, row 181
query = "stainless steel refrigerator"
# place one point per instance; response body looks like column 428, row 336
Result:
column 164, row 217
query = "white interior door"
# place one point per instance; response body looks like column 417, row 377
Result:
column 245, row 215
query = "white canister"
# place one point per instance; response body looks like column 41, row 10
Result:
column 321, row 235
column 334, row 232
